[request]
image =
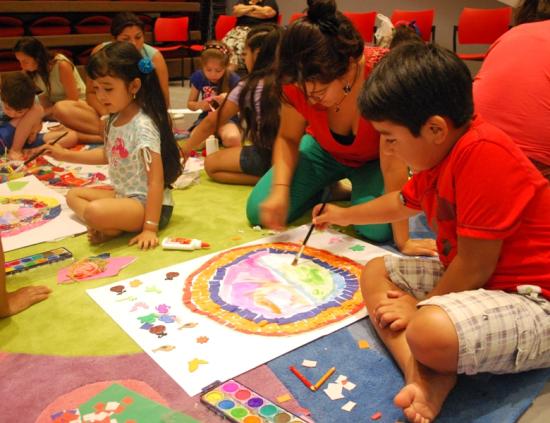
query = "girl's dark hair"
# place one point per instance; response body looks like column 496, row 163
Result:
column 318, row 46
column 218, row 51
column 120, row 60
column 414, row 82
column 34, row 48
column 264, row 40
column 533, row 11
column 404, row 34
column 123, row 20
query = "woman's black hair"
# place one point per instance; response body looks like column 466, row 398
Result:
column 532, row 11
column 404, row 34
column 34, row 48
column 123, row 20
column 120, row 60
column 415, row 81
column 318, row 46
column 263, row 40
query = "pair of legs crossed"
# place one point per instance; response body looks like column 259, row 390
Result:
column 105, row 215
column 81, row 117
column 465, row 332
column 315, row 170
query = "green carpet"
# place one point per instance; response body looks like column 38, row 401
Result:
column 69, row 323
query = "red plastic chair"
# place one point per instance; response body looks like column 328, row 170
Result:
column 11, row 27
column 480, row 26
column 295, row 17
column 94, row 25
column 8, row 62
column 364, row 23
column 173, row 33
column 224, row 24
column 50, row 25
column 423, row 19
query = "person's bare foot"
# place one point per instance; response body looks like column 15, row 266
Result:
column 15, row 155
column 96, row 237
column 23, row 298
column 423, row 396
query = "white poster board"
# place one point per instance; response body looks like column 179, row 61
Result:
column 197, row 349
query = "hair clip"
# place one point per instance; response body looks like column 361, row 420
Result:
column 145, row 65
column 224, row 50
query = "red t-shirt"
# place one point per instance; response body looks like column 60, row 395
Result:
column 486, row 188
column 512, row 88
column 367, row 140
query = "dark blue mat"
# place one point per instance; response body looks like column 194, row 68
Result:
column 483, row 398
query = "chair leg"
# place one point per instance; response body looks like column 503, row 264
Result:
column 182, row 69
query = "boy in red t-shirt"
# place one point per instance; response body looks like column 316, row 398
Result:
column 484, row 306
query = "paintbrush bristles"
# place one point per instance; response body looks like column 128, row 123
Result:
column 295, row 261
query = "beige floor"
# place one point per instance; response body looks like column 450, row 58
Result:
column 539, row 412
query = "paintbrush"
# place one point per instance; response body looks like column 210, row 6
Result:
column 310, row 231
column 36, row 155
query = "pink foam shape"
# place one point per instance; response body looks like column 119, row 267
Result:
column 114, row 266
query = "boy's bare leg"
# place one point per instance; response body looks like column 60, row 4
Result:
column 26, row 127
column 426, row 351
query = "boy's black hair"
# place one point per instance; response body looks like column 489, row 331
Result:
column 120, row 60
column 318, row 47
column 414, row 82
column 264, row 41
column 123, row 20
column 34, row 48
column 17, row 90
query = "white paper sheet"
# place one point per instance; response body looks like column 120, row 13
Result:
column 219, row 352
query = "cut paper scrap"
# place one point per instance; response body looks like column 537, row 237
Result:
column 334, row 391
column 112, row 268
column 309, row 363
column 344, row 381
column 34, row 214
column 348, row 406
column 17, row 185
column 284, row 398
column 357, row 248
column 120, row 404
column 194, row 364
column 249, row 301
column 363, row 344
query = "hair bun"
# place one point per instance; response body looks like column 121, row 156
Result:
column 319, row 10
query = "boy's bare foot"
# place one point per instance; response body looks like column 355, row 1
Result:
column 96, row 237
column 422, row 398
column 23, row 298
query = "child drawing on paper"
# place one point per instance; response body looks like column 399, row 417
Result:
column 139, row 148
column 210, row 85
column 256, row 102
column 13, row 302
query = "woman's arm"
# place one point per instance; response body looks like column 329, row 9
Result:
column 242, row 9
column 162, row 72
column 208, row 126
column 193, row 102
column 68, row 80
column 262, row 12
column 155, row 189
column 274, row 210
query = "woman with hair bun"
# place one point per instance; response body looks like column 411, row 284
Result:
column 322, row 65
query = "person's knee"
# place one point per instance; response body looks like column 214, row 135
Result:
column 373, row 271
column 432, row 337
column 232, row 138
column 94, row 215
column 72, row 196
column 210, row 165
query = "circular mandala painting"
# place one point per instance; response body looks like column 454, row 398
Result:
column 255, row 289
column 19, row 213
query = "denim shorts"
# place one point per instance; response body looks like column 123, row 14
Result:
column 255, row 160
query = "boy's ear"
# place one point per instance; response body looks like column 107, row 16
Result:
column 135, row 86
column 436, row 129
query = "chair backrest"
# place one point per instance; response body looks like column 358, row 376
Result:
column 483, row 26
column 224, row 24
column 364, row 23
column 171, row 29
column 295, row 17
column 423, row 19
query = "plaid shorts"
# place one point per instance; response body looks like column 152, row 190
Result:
column 498, row 332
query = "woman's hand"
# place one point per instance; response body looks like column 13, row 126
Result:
column 145, row 240
column 331, row 215
column 274, row 210
column 420, row 247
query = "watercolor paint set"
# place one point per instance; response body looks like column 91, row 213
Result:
column 38, row 259
column 237, row 403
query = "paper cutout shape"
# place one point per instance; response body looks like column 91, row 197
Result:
column 16, row 185
column 194, row 364
column 113, row 268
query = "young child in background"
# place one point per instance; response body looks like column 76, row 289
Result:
column 13, row 302
column 484, row 307
column 140, row 150
column 210, row 85
column 258, row 104
column 18, row 92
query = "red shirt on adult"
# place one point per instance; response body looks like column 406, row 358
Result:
column 512, row 89
column 367, row 140
column 486, row 188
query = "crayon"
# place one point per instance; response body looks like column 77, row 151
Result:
column 324, row 378
column 302, row 378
